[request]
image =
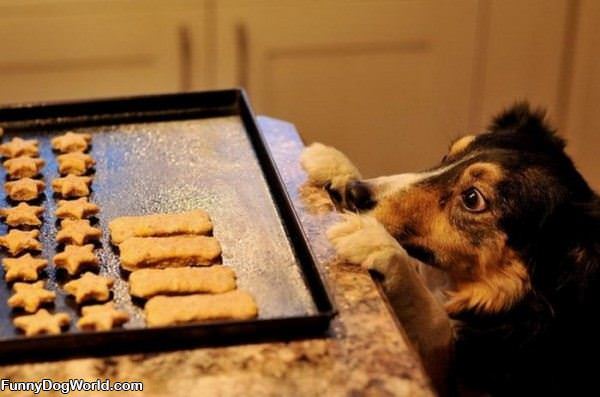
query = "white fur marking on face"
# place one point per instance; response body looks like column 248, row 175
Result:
column 386, row 185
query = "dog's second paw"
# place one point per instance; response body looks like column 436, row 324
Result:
column 326, row 165
column 362, row 240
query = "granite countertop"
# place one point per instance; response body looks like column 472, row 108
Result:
column 365, row 354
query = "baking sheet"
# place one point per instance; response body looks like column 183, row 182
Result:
column 171, row 166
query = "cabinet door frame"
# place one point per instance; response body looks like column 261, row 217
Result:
column 117, row 47
column 253, row 36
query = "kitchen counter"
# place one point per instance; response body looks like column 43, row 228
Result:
column 365, row 354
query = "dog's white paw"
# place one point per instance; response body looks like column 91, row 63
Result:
column 362, row 240
column 326, row 165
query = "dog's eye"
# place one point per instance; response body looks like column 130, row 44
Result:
column 473, row 200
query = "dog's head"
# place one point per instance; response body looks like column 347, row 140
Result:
column 482, row 213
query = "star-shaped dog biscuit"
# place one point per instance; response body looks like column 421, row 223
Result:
column 30, row 296
column 77, row 232
column 20, row 147
column 24, row 189
column 22, row 215
column 75, row 163
column 71, row 142
column 42, row 322
column 89, row 287
column 17, row 241
column 72, row 186
column 25, row 267
column 23, row 166
column 76, row 209
column 74, row 257
column 101, row 317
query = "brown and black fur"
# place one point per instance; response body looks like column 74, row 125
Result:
column 524, row 295
column 543, row 342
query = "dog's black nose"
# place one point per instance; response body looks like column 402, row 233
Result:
column 359, row 196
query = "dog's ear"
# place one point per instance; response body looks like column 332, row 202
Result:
column 521, row 118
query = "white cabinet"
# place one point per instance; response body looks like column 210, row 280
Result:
column 374, row 78
column 520, row 55
column 65, row 49
column 390, row 82
column 583, row 121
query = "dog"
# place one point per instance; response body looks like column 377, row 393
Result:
column 490, row 259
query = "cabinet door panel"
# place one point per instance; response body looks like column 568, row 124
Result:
column 521, row 57
column 583, row 121
column 86, row 50
column 388, row 82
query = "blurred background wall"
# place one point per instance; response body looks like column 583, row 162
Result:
column 389, row 82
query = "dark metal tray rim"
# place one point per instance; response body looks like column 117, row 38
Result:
column 132, row 109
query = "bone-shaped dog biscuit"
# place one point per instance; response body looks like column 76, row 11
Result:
column 169, row 310
column 190, row 222
column 145, row 283
column 161, row 252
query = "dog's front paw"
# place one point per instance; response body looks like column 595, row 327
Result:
column 362, row 240
column 327, row 166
